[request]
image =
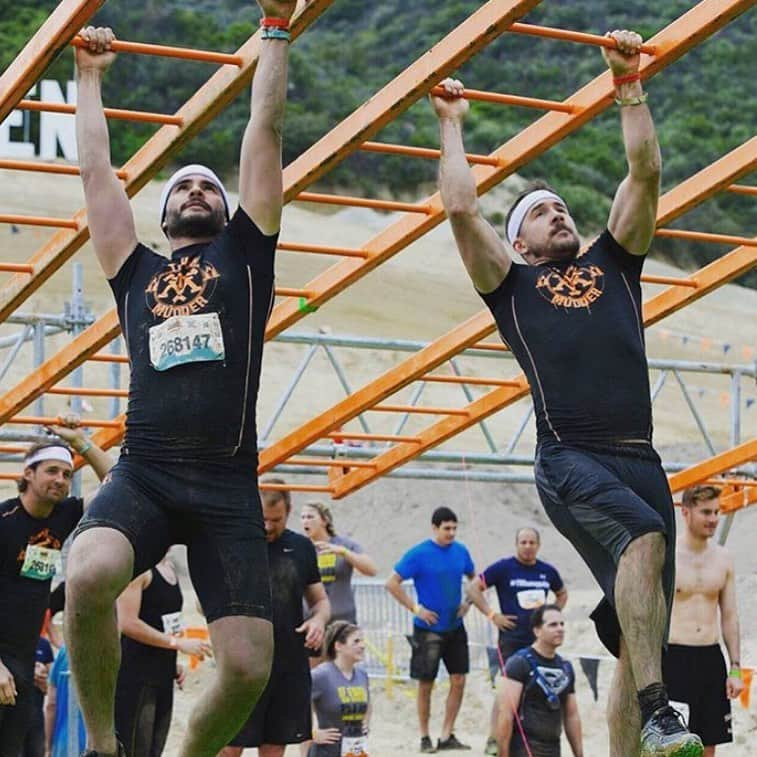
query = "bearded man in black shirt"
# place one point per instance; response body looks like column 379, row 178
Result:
column 33, row 527
column 574, row 324
column 194, row 326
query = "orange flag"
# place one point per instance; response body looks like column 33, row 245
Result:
column 746, row 677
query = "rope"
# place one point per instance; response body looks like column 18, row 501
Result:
column 474, row 523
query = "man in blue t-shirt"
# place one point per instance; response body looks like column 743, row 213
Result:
column 436, row 567
column 522, row 583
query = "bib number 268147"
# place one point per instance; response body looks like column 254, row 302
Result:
column 186, row 339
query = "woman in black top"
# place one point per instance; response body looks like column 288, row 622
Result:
column 149, row 618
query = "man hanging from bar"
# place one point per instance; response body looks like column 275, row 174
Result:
column 573, row 322
column 194, row 327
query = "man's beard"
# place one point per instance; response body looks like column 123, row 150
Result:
column 559, row 248
column 195, row 226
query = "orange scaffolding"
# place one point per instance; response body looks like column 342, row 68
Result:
column 356, row 132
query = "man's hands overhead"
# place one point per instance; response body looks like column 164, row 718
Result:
column 625, row 59
column 96, row 55
column 452, row 105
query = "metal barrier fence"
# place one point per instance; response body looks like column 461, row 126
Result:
column 386, row 624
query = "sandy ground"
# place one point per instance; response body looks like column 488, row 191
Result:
column 420, row 294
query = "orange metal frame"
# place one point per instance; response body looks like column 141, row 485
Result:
column 490, row 21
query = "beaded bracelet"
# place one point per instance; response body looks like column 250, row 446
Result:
column 642, row 98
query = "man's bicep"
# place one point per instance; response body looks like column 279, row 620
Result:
column 110, row 219
column 633, row 216
column 482, row 251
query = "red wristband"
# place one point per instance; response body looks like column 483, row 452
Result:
column 275, row 23
column 616, row 80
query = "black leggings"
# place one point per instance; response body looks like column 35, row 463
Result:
column 143, row 716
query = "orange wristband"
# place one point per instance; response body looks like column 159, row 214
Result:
column 275, row 23
column 618, row 80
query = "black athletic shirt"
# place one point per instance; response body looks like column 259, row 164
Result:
column 542, row 723
column 293, row 566
column 200, row 409
column 144, row 662
column 23, row 600
column 575, row 328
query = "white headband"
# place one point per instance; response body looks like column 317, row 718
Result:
column 53, row 452
column 525, row 204
column 182, row 173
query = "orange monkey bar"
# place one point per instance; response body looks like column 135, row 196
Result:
column 220, row 89
column 185, row 53
column 421, row 152
column 595, row 97
column 30, row 165
column 701, row 236
column 10, row 476
column 80, row 391
column 571, row 36
column 67, row 18
column 525, row 102
column 729, row 503
column 672, row 280
column 490, row 346
column 330, row 463
column 62, row 223
column 721, row 463
column 731, row 482
column 363, row 202
column 117, row 113
column 268, row 487
column 43, row 420
column 358, row 435
column 321, row 249
column 11, row 448
column 742, row 189
column 102, row 357
column 419, row 410
column 16, row 268
column 473, row 380
column 290, row 292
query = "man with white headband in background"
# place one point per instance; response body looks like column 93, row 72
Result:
column 33, row 527
column 194, row 325
column 573, row 321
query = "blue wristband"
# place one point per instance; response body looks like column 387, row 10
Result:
column 272, row 32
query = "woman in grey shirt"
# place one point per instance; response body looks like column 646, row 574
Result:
column 337, row 557
column 341, row 695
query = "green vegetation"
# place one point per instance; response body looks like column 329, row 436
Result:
column 704, row 105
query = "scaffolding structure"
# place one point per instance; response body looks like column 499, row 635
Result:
column 345, row 455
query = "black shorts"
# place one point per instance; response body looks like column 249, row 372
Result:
column 697, row 676
column 282, row 714
column 429, row 647
column 15, row 720
column 211, row 506
column 507, row 648
column 601, row 502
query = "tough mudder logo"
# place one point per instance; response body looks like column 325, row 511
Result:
column 182, row 288
column 576, row 287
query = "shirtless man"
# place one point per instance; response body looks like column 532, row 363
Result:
column 693, row 666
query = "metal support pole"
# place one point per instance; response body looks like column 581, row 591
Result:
column 695, row 413
column 39, row 358
column 115, row 377
column 658, row 385
column 521, row 428
column 417, row 392
column 469, row 396
column 345, row 384
column 26, row 334
column 725, row 524
column 78, row 310
column 288, row 391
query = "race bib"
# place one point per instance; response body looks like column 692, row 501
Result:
column 530, row 599
column 354, row 746
column 41, row 563
column 172, row 624
column 186, row 339
column 683, row 708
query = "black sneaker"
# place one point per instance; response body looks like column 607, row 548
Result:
column 491, row 747
column 450, row 743
column 427, row 746
column 665, row 735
